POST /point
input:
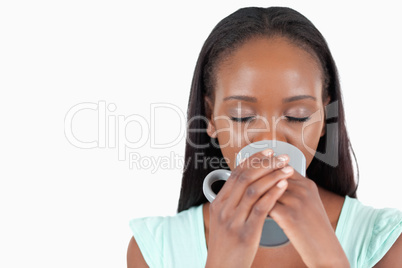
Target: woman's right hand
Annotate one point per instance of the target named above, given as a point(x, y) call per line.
point(238, 213)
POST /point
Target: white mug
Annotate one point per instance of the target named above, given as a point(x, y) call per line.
point(272, 234)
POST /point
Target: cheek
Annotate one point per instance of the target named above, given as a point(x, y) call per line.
point(229, 153)
point(309, 142)
point(230, 140)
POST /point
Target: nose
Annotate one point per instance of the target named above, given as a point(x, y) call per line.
point(268, 131)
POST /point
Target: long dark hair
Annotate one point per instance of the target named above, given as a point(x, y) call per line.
point(229, 34)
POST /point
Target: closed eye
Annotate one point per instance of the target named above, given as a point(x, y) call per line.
point(242, 119)
point(289, 118)
point(297, 119)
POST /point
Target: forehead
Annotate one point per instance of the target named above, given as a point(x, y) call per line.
point(269, 68)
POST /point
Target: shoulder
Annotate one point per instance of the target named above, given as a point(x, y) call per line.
point(145, 245)
point(393, 258)
point(367, 233)
point(385, 243)
point(159, 225)
point(161, 240)
point(134, 256)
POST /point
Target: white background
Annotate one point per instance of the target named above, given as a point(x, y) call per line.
point(64, 206)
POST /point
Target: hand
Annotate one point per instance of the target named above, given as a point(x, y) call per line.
point(238, 213)
point(300, 213)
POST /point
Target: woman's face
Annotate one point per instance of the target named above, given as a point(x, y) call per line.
point(268, 89)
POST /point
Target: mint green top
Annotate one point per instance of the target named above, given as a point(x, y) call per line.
point(365, 234)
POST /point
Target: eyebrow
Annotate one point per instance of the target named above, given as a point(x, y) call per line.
point(241, 97)
point(253, 99)
point(299, 97)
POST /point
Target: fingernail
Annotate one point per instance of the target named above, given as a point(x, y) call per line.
point(282, 184)
point(287, 169)
point(267, 152)
point(242, 160)
point(283, 158)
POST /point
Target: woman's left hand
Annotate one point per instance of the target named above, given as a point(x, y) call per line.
point(302, 216)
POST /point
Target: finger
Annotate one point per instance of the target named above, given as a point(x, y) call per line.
point(227, 189)
point(296, 182)
point(230, 195)
point(287, 197)
point(264, 205)
point(264, 159)
point(298, 190)
point(278, 212)
point(258, 189)
point(246, 175)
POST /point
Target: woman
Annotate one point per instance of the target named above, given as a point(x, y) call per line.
point(268, 74)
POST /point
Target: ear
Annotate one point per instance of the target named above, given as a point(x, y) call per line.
point(211, 130)
point(325, 116)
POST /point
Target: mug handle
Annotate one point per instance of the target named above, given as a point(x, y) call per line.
point(216, 175)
